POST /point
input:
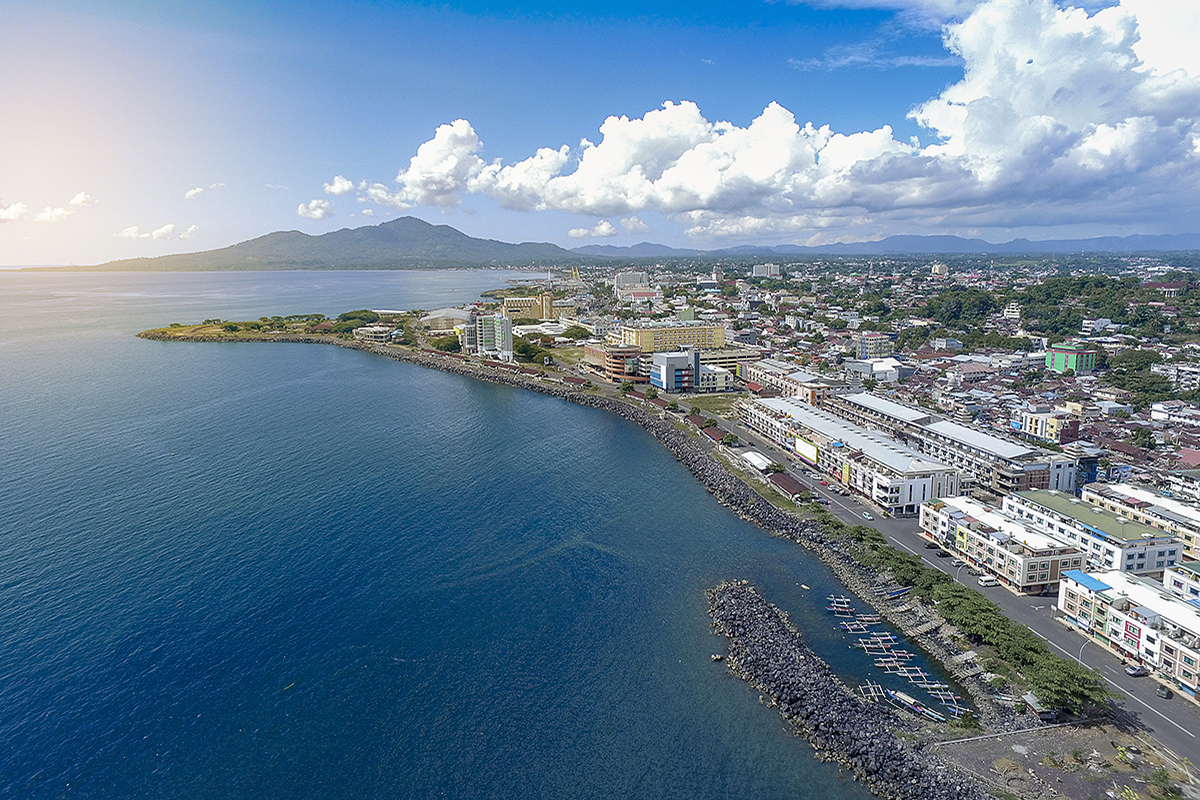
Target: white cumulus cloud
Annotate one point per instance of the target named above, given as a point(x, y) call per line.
point(339, 185)
point(1063, 116)
point(13, 211)
point(81, 199)
point(189, 232)
point(192, 194)
point(634, 225)
point(49, 214)
point(315, 209)
point(601, 228)
point(164, 232)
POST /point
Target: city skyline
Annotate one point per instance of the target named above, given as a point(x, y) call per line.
point(147, 129)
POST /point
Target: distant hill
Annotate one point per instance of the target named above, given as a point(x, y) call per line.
point(405, 243)
point(914, 245)
point(411, 243)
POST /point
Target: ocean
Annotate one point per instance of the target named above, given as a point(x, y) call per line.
point(295, 571)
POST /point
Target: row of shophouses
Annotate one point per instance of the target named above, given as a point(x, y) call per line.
point(1121, 559)
point(1121, 583)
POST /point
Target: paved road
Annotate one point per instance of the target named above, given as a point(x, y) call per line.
point(1174, 722)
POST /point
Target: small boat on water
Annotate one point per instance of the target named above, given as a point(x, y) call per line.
point(915, 705)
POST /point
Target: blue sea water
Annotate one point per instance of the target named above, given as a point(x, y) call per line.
point(295, 571)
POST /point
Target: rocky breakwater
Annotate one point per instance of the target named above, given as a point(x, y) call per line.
point(766, 651)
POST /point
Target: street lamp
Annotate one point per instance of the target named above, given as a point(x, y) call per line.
point(957, 571)
point(1079, 658)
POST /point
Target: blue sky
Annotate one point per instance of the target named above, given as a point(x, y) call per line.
point(137, 129)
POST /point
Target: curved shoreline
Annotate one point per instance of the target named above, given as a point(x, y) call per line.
point(838, 735)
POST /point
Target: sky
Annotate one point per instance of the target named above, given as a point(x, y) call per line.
point(145, 127)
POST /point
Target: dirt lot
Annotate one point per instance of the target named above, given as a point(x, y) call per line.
point(1077, 761)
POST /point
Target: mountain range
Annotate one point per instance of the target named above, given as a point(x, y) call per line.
point(404, 243)
point(914, 245)
point(411, 243)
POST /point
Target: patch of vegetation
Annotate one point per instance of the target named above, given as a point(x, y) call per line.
point(721, 404)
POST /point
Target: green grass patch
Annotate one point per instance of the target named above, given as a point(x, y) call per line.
point(721, 404)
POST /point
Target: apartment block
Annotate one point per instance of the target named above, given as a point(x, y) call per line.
point(1110, 541)
point(1166, 514)
point(792, 382)
point(1134, 617)
point(1005, 547)
point(1077, 357)
point(893, 477)
point(656, 338)
point(999, 465)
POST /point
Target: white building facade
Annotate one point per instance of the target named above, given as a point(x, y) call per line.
point(893, 477)
point(1109, 541)
point(1012, 551)
point(1135, 618)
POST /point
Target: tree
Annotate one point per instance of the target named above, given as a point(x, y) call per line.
point(626, 386)
point(447, 344)
point(651, 393)
point(709, 422)
point(1134, 360)
point(577, 332)
point(1144, 438)
point(230, 326)
point(361, 317)
point(729, 439)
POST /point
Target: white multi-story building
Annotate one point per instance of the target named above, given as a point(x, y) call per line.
point(1134, 617)
point(492, 337)
point(1184, 580)
point(1014, 552)
point(792, 382)
point(623, 279)
point(1183, 375)
point(999, 464)
point(1179, 519)
point(892, 476)
point(1110, 541)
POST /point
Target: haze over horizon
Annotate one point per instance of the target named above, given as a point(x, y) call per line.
point(144, 129)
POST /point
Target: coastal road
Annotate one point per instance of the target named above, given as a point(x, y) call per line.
point(1174, 722)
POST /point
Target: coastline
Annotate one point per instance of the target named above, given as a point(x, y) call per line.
point(837, 735)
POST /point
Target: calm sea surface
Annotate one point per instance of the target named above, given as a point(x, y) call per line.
point(294, 571)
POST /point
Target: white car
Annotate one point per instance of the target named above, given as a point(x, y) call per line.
point(988, 580)
point(867, 515)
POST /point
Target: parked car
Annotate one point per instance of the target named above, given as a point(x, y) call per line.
point(1136, 671)
point(931, 545)
point(958, 562)
point(988, 580)
point(1162, 691)
point(942, 554)
point(867, 515)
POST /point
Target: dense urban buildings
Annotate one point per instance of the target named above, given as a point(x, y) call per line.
point(893, 477)
point(1110, 541)
point(1001, 465)
point(1016, 553)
